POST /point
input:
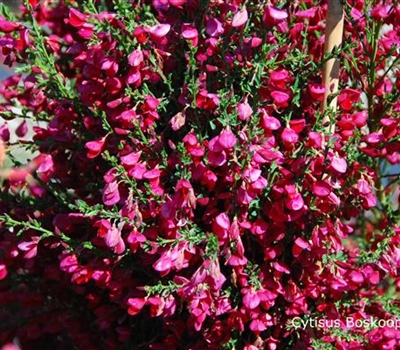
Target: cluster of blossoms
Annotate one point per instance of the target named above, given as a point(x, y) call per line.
point(183, 191)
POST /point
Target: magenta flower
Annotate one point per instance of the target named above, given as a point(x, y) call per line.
point(190, 33)
point(46, 168)
point(160, 30)
point(77, 19)
point(136, 58)
point(270, 123)
point(380, 11)
point(3, 271)
point(227, 139)
point(289, 135)
point(251, 300)
point(339, 164)
point(281, 99)
point(214, 27)
point(280, 78)
point(7, 26)
point(69, 263)
point(135, 239)
point(130, 159)
point(112, 237)
point(111, 194)
point(95, 147)
point(193, 136)
point(321, 188)
point(10, 346)
point(273, 16)
point(135, 305)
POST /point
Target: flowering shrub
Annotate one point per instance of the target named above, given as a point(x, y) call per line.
point(183, 191)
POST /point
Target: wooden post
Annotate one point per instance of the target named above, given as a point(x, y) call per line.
point(333, 37)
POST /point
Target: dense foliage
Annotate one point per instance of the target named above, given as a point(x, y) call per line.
point(183, 191)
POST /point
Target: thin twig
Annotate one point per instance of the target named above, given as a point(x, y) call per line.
point(333, 38)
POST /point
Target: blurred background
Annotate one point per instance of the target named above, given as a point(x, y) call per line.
point(11, 3)
point(16, 150)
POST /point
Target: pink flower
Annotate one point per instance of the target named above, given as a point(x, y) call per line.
point(137, 171)
point(160, 30)
point(222, 220)
point(4, 132)
point(130, 159)
point(289, 135)
point(30, 247)
point(69, 263)
point(244, 110)
point(177, 3)
point(321, 188)
point(86, 31)
point(135, 238)
point(257, 326)
point(280, 78)
point(46, 168)
point(190, 32)
point(251, 300)
point(95, 147)
point(273, 16)
point(250, 347)
point(227, 139)
point(111, 194)
point(374, 138)
point(207, 101)
point(178, 121)
point(135, 58)
point(281, 99)
point(221, 226)
point(217, 158)
point(270, 123)
point(295, 202)
point(364, 187)
point(309, 13)
point(339, 164)
point(240, 18)
point(10, 346)
point(112, 237)
point(164, 263)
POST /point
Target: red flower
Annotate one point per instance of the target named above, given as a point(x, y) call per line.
point(347, 98)
point(316, 91)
